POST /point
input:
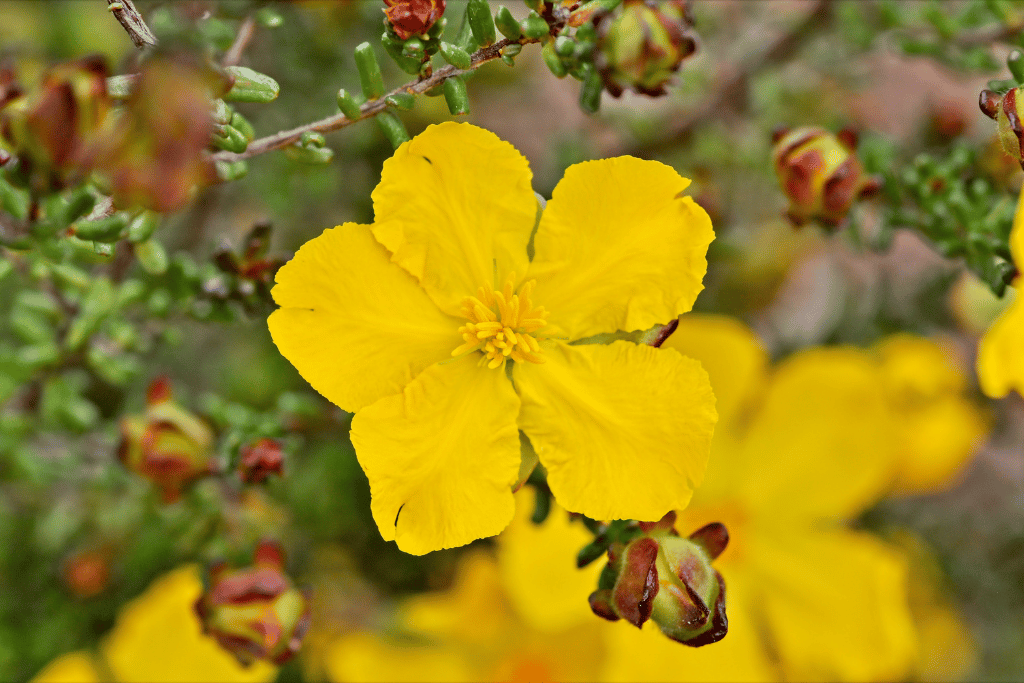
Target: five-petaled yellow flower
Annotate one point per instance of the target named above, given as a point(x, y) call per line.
point(436, 328)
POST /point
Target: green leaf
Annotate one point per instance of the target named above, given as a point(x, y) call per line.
point(251, 86)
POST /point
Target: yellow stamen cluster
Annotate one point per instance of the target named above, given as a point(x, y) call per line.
point(501, 325)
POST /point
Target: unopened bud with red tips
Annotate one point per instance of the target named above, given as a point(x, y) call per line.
point(256, 612)
point(668, 579)
point(1005, 110)
point(55, 127)
point(167, 444)
point(260, 459)
point(820, 174)
point(410, 18)
point(642, 43)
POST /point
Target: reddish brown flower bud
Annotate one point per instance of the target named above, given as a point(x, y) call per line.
point(410, 18)
point(820, 174)
point(668, 579)
point(168, 445)
point(642, 43)
point(87, 573)
point(154, 156)
point(255, 612)
point(55, 129)
point(259, 460)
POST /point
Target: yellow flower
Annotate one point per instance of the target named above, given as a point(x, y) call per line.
point(799, 450)
point(410, 323)
point(938, 428)
point(1001, 351)
point(158, 637)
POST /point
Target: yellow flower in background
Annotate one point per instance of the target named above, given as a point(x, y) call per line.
point(158, 637)
point(1001, 350)
point(410, 323)
point(938, 428)
point(799, 450)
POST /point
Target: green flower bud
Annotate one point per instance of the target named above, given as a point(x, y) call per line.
point(668, 579)
point(642, 44)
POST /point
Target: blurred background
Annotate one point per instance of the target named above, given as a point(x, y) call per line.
point(94, 561)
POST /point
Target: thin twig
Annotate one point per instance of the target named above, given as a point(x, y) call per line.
point(732, 80)
point(245, 34)
point(371, 108)
point(126, 13)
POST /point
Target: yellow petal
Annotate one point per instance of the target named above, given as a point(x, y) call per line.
point(441, 457)
point(358, 657)
point(939, 428)
point(74, 667)
point(647, 655)
point(1001, 352)
point(538, 566)
point(159, 638)
point(823, 442)
point(834, 604)
point(455, 208)
point(356, 326)
point(623, 430)
point(732, 355)
point(618, 248)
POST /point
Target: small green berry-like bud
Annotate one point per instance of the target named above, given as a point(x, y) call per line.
point(508, 26)
point(456, 56)
point(393, 128)
point(370, 78)
point(590, 93)
point(553, 61)
point(348, 105)
point(534, 26)
point(401, 100)
point(456, 96)
point(479, 15)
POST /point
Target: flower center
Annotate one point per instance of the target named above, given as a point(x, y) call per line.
point(502, 325)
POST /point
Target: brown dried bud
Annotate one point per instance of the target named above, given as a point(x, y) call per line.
point(255, 612)
point(820, 174)
point(668, 579)
point(55, 129)
point(410, 18)
point(168, 445)
point(259, 460)
point(642, 43)
point(1006, 112)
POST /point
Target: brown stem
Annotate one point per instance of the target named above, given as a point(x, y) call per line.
point(245, 34)
point(371, 108)
point(732, 80)
point(126, 13)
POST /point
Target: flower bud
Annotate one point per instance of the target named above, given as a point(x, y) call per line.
point(168, 445)
point(1006, 113)
point(259, 460)
point(669, 579)
point(54, 129)
point(255, 612)
point(820, 174)
point(642, 43)
point(410, 18)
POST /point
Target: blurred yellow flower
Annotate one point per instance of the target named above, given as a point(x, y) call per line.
point(158, 637)
point(372, 316)
point(1001, 351)
point(938, 427)
point(799, 450)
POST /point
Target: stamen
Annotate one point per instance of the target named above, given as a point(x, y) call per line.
point(502, 325)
